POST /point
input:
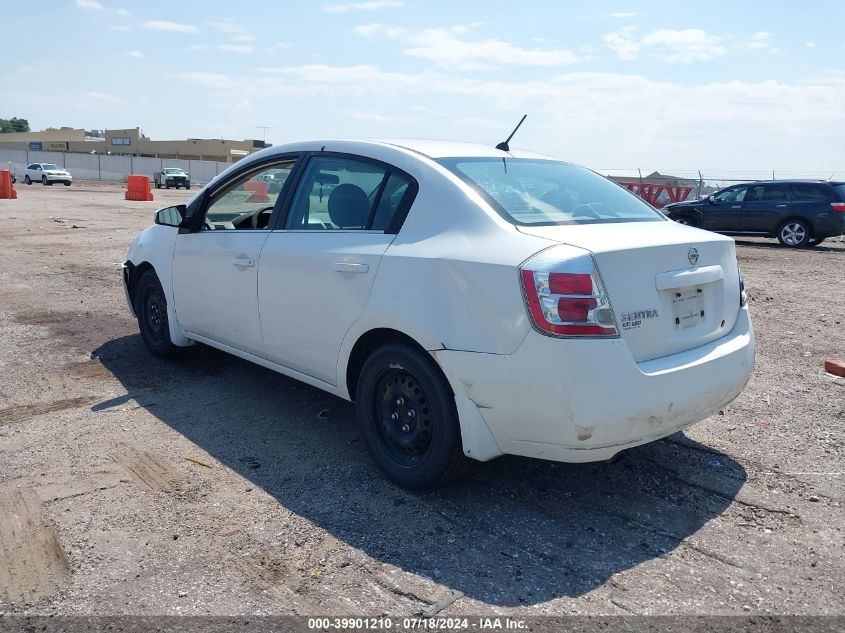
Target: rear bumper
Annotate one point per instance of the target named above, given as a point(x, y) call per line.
point(831, 226)
point(585, 400)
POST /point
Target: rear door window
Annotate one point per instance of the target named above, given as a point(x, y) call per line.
point(773, 193)
point(339, 193)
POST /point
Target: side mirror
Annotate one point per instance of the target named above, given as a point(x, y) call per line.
point(171, 216)
point(711, 199)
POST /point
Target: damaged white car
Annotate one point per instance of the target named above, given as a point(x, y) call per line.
point(472, 301)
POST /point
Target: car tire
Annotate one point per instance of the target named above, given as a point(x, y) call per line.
point(67, 183)
point(151, 309)
point(158, 185)
point(795, 234)
point(166, 186)
point(27, 180)
point(44, 181)
point(408, 419)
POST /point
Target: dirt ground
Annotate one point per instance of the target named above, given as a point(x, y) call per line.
point(101, 511)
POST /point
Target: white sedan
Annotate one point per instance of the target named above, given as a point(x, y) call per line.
point(472, 301)
point(46, 174)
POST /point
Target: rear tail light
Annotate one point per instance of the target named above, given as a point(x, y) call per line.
point(565, 294)
point(838, 206)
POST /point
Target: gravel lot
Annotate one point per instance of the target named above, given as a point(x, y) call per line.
point(743, 513)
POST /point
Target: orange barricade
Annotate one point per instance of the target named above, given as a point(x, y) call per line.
point(258, 189)
point(7, 190)
point(138, 188)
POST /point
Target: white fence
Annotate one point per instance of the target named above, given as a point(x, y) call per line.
point(107, 167)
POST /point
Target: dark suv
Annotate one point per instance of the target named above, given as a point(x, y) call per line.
point(798, 212)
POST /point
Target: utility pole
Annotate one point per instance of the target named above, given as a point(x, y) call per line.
point(264, 128)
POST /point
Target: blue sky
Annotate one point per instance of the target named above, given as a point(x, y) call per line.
point(718, 86)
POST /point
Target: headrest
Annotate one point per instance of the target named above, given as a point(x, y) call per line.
point(349, 207)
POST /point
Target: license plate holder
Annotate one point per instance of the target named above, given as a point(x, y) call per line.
point(688, 307)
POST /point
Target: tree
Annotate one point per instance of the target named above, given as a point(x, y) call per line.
point(14, 124)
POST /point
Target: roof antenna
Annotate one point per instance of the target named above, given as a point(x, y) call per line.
point(504, 145)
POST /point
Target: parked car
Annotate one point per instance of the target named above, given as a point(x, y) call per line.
point(172, 177)
point(472, 301)
point(799, 213)
point(46, 174)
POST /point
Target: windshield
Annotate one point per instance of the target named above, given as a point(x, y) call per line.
point(46, 166)
point(544, 192)
point(173, 171)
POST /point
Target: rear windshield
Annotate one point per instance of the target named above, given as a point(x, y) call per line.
point(544, 192)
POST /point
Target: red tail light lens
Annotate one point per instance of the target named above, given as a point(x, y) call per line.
point(565, 294)
point(574, 310)
point(570, 284)
point(838, 206)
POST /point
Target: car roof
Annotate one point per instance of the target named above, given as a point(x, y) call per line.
point(428, 148)
point(433, 148)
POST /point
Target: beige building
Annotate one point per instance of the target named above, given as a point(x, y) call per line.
point(129, 142)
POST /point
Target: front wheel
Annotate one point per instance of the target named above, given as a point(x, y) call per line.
point(151, 308)
point(794, 234)
point(67, 183)
point(408, 419)
point(44, 180)
point(27, 180)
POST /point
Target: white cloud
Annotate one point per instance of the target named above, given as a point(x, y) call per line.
point(93, 5)
point(624, 43)
point(446, 49)
point(237, 48)
point(374, 5)
point(236, 32)
point(761, 41)
point(176, 27)
point(135, 54)
point(622, 15)
point(669, 45)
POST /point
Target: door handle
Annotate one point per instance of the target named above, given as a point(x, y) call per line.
point(781, 205)
point(246, 262)
point(350, 267)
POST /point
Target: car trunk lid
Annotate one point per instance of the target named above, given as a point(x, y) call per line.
point(672, 287)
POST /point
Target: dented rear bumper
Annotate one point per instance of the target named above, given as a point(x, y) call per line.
point(586, 400)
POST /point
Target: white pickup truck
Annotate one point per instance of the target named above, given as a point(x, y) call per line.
point(172, 177)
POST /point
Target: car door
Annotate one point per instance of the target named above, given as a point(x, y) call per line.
point(317, 269)
point(723, 212)
point(215, 266)
point(764, 207)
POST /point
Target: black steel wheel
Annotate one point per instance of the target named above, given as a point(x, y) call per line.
point(408, 418)
point(151, 310)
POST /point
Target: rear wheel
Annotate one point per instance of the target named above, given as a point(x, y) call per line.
point(794, 234)
point(408, 418)
point(151, 308)
point(67, 183)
